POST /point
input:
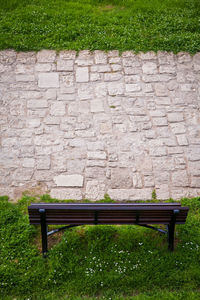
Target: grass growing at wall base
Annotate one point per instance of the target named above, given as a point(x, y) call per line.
point(171, 25)
point(90, 262)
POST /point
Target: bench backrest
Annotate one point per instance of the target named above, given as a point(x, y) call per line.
point(112, 213)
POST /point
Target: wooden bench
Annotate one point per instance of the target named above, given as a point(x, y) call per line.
point(76, 214)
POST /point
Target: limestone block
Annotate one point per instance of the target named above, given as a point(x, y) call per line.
point(58, 109)
point(160, 121)
point(112, 76)
point(82, 74)
point(149, 68)
point(133, 88)
point(65, 65)
point(33, 123)
point(48, 80)
point(149, 181)
point(96, 155)
point(97, 105)
point(100, 90)
point(163, 192)
point(175, 117)
point(45, 56)
point(148, 55)
point(116, 67)
point(68, 81)
point(85, 58)
point(114, 60)
point(7, 57)
point(69, 180)
point(167, 69)
point(119, 194)
point(114, 89)
point(94, 190)
point(161, 89)
point(26, 57)
point(180, 178)
point(196, 62)
point(95, 76)
point(95, 172)
point(52, 120)
point(67, 54)
point(121, 178)
point(177, 128)
point(101, 68)
point(84, 107)
point(100, 57)
point(24, 69)
point(193, 154)
point(93, 146)
point(28, 163)
point(46, 67)
point(132, 78)
point(182, 140)
point(43, 163)
point(187, 87)
point(76, 164)
point(25, 78)
point(66, 194)
point(137, 180)
point(85, 92)
point(194, 168)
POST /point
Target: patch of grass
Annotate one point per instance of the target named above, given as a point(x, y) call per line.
point(171, 25)
point(90, 262)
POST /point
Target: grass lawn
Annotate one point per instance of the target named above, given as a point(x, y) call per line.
point(97, 262)
point(139, 25)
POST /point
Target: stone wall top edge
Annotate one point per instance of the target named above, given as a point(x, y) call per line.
point(111, 53)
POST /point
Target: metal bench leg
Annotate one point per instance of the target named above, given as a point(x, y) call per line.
point(44, 230)
point(171, 229)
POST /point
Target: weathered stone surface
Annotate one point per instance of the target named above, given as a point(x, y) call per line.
point(97, 105)
point(61, 194)
point(96, 155)
point(82, 74)
point(43, 163)
point(58, 109)
point(180, 178)
point(46, 56)
point(48, 80)
point(94, 190)
point(123, 124)
point(69, 180)
point(121, 178)
point(149, 68)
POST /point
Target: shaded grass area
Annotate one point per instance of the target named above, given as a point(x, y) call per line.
point(97, 262)
point(171, 25)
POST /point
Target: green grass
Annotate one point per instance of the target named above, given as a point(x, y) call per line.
point(97, 262)
point(139, 25)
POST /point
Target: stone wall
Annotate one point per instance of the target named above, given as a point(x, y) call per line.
point(79, 125)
